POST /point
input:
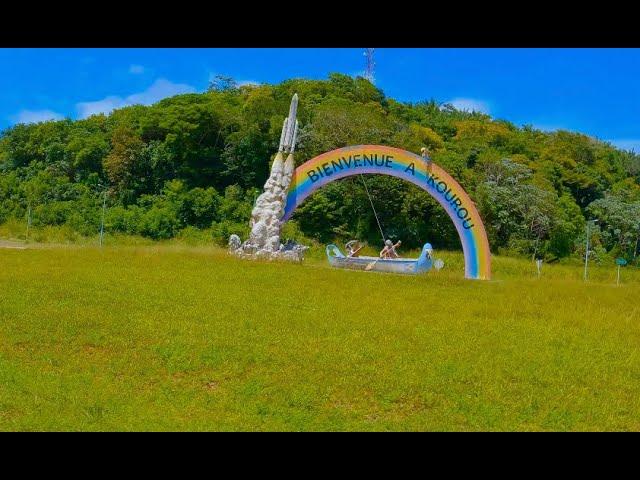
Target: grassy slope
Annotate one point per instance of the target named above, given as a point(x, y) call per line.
point(166, 338)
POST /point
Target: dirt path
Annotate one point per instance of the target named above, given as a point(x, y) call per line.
point(12, 244)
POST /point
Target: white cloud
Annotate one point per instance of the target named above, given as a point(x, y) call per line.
point(242, 83)
point(469, 104)
point(136, 69)
point(160, 89)
point(548, 128)
point(86, 109)
point(35, 116)
point(627, 144)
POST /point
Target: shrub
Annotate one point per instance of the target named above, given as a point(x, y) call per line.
point(159, 223)
point(221, 231)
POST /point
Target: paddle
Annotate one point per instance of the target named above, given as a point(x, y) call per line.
point(371, 265)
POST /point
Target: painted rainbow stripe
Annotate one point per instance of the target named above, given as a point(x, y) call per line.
point(378, 159)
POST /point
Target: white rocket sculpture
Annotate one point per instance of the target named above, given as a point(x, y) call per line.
point(269, 207)
point(290, 126)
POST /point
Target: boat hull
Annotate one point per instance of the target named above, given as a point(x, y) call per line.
point(398, 265)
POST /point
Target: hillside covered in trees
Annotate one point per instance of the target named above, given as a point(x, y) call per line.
point(194, 164)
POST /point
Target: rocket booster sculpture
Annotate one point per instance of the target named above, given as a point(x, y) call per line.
point(269, 207)
point(290, 128)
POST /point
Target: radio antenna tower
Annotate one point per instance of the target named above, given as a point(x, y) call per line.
point(371, 65)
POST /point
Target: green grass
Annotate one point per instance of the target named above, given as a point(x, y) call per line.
point(178, 338)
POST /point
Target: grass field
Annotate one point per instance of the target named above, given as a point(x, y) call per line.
point(177, 338)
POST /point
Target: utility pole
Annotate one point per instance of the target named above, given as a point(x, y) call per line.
point(586, 254)
point(371, 65)
point(28, 220)
point(104, 206)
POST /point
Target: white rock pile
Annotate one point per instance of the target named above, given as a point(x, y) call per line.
point(264, 239)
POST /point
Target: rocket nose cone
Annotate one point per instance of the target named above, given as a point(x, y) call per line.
point(294, 103)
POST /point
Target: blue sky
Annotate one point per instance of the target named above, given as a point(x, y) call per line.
point(594, 91)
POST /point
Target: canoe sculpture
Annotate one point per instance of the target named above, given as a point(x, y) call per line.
point(396, 265)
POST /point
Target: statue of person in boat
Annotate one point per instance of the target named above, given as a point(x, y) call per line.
point(387, 261)
point(353, 248)
point(389, 250)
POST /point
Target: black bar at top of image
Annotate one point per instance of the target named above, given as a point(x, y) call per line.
point(321, 24)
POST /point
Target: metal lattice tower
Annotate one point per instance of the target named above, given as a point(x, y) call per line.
point(371, 65)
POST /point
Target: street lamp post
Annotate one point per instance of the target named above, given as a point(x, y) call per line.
point(586, 254)
point(104, 206)
point(28, 221)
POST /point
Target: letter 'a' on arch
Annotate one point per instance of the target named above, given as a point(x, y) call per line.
point(344, 162)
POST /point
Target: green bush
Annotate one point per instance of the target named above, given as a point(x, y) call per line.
point(159, 223)
point(221, 231)
point(123, 219)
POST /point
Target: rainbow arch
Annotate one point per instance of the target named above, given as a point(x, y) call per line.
point(347, 161)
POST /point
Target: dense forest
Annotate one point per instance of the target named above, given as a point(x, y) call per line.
point(194, 164)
